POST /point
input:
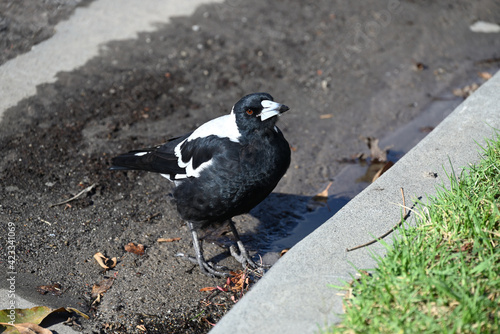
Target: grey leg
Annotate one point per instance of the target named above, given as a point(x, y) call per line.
point(241, 255)
point(206, 268)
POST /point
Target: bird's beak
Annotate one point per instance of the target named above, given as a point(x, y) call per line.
point(271, 109)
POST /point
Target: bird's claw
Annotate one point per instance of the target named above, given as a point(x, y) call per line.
point(208, 268)
point(241, 255)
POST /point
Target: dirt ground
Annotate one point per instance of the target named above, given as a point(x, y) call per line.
point(345, 69)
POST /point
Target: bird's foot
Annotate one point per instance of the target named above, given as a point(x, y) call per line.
point(241, 255)
point(208, 268)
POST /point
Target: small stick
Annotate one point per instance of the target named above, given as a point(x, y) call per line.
point(151, 217)
point(386, 233)
point(86, 190)
point(46, 222)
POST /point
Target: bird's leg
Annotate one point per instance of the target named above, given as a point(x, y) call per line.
point(241, 256)
point(206, 268)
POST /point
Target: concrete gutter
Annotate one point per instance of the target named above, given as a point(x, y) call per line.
point(294, 296)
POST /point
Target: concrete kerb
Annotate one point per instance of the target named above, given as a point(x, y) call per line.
point(294, 296)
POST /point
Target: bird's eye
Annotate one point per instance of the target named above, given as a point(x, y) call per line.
point(249, 111)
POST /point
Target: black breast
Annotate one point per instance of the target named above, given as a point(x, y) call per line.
point(240, 176)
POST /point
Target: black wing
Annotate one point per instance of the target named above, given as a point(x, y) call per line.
point(160, 159)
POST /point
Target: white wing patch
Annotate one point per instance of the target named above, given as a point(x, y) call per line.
point(223, 127)
point(196, 172)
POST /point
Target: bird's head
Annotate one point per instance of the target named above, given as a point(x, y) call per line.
point(257, 111)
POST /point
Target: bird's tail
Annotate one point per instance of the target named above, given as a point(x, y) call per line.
point(133, 160)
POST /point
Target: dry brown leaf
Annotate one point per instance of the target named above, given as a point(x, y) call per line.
point(485, 75)
point(133, 248)
point(319, 200)
point(467, 246)
point(426, 129)
point(325, 116)
point(105, 262)
point(238, 282)
point(168, 239)
point(99, 289)
point(466, 91)
point(212, 288)
point(54, 289)
point(30, 318)
point(420, 66)
point(382, 170)
point(324, 193)
point(376, 153)
point(24, 328)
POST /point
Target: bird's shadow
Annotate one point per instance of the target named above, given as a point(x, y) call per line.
point(282, 220)
point(285, 219)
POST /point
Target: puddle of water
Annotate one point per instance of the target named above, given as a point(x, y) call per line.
point(355, 178)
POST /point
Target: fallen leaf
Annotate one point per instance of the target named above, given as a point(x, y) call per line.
point(382, 170)
point(99, 289)
point(30, 318)
point(142, 328)
point(426, 129)
point(466, 91)
point(324, 193)
point(325, 116)
point(168, 239)
point(376, 153)
point(54, 289)
point(212, 288)
point(319, 200)
point(420, 66)
point(370, 172)
point(238, 282)
point(24, 328)
point(104, 262)
point(485, 75)
point(467, 246)
point(133, 248)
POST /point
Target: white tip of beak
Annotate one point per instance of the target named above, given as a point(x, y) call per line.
point(271, 109)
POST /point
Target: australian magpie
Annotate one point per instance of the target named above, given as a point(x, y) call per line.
point(222, 169)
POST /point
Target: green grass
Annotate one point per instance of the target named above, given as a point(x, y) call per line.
point(443, 275)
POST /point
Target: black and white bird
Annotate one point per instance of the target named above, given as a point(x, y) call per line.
point(222, 169)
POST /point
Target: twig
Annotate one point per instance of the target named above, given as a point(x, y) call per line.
point(46, 222)
point(388, 232)
point(151, 217)
point(86, 190)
